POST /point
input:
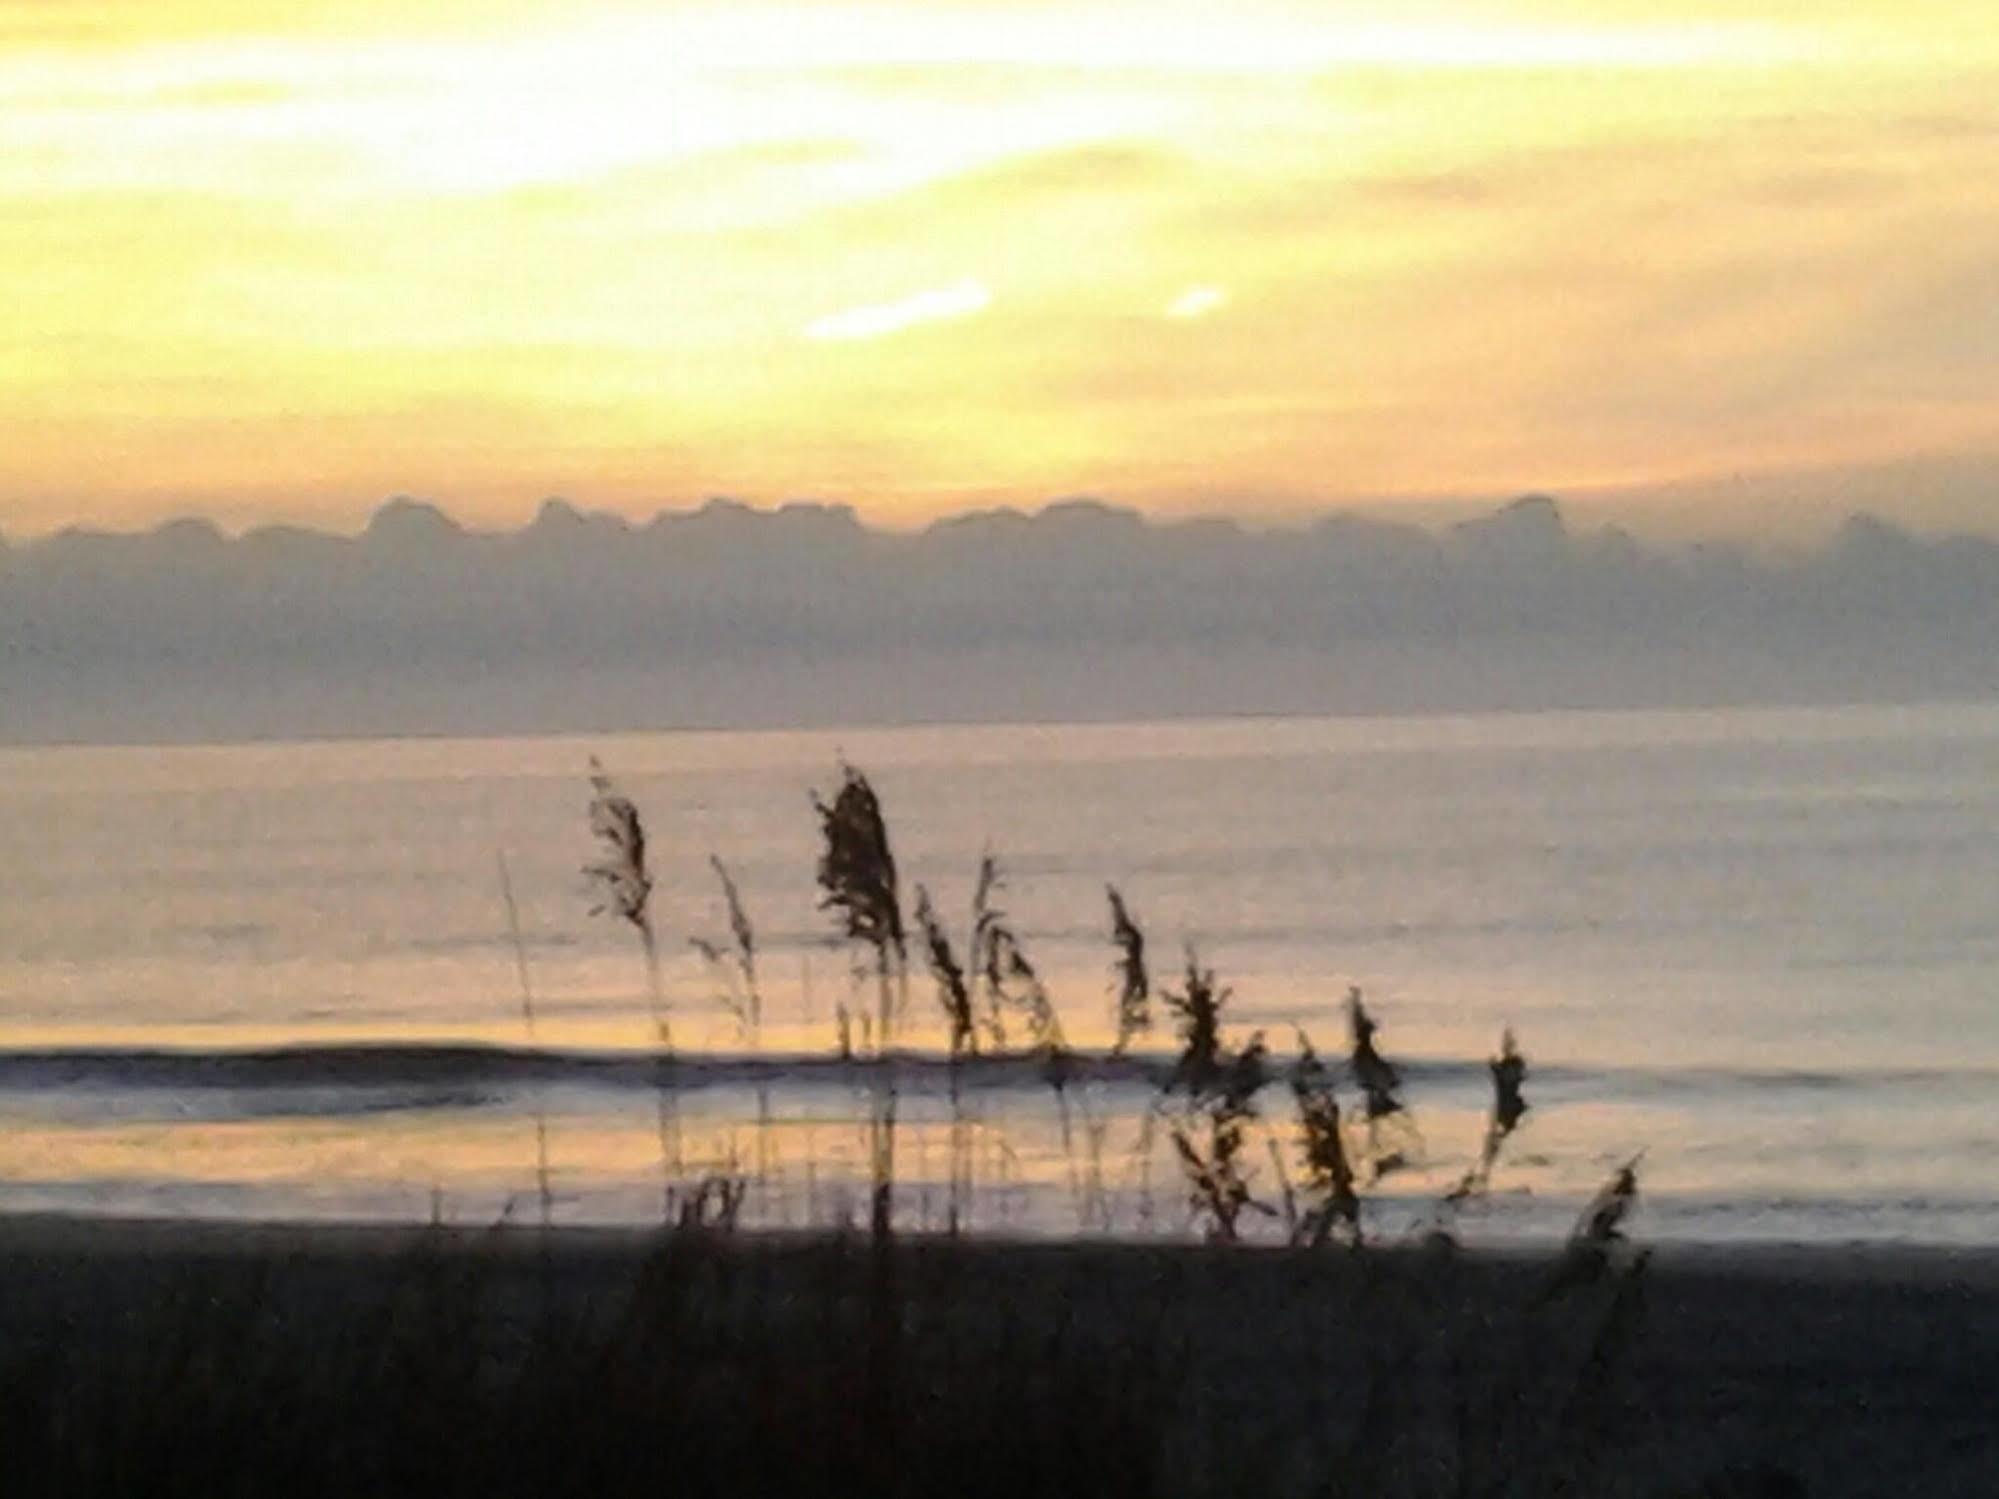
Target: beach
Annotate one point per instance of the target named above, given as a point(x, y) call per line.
point(1186, 1369)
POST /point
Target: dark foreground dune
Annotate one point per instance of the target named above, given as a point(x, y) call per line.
point(140, 1359)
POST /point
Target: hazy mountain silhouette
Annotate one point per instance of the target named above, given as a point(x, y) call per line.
point(733, 614)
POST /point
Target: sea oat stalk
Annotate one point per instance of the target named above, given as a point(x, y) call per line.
point(543, 1185)
point(857, 882)
point(954, 998)
point(1014, 986)
point(1391, 1139)
point(1134, 982)
point(625, 886)
point(742, 996)
point(1509, 1107)
point(1331, 1201)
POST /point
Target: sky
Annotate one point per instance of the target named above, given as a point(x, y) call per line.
point(1255, 259)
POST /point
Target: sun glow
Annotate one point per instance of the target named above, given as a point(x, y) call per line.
point(487, 251)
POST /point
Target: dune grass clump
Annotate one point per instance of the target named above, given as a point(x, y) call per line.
point(1219, 1085)
point(1330, 1201)
point(1197, 1006)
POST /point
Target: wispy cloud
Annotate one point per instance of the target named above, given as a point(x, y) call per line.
point(1198, 301)
point(939, 304)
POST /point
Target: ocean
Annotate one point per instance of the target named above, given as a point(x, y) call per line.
point(1758, 950)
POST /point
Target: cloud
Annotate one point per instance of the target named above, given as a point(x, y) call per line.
point(939, 304)
point(1198, 301)
point(729, 614)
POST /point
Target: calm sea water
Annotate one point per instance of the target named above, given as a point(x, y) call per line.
point(1762, 947)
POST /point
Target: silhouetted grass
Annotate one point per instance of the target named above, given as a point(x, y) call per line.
point(1134, 982)
point(1219, 1085)
point(623, 879)
point(625, 885)
point(859, 885)
point(544, 1185)
point(1598, 1240)
point(988, 923)
point(1330, 1202)
point(1509, 1107)
point(1392, 1142)
point(954, 995)
point(734, 965)
point(741, 994)
point(719, 1362)
point(954, 998)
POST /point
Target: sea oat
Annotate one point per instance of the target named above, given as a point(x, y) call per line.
point(1134, 983)
point(626, 886)
point(954, 995)
point(543, 1182)
point(1211, 1140)
point(624, 882)
point(1392, 1142)
point(745, 938)
point(1598, 1234)
point(1509, 1107)
point(857, 882)
point(1013, 985)
point(1328, 1174)
point(955, 999)
point(857, 877)
point(1198, 1007)
point(1220, 1086)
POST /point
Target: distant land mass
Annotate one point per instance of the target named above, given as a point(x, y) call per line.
point(729, 615)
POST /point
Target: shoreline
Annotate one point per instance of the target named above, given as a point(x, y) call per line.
point(55, 1231)
point(135, 1233)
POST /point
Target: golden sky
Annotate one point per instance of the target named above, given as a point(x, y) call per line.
point(1259, 257)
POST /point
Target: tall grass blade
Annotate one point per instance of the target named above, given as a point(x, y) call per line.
point(858, 884)
point(625, 884)
point(543, 1184)
point(1134, 1013)
point(954, 997)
